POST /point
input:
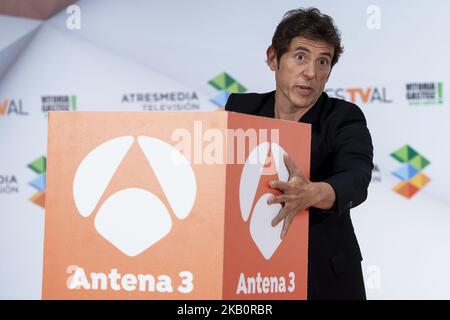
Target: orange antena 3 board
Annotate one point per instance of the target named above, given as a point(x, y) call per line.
point(165, 205)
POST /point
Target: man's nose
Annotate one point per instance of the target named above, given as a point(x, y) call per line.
point(310, 70)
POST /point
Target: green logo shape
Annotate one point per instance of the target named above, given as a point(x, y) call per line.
point(73, 102)
point(440, 94)
point(237, 88)
point(419, 162)
point(226, 82)
point(39, 165)
point(404, 154)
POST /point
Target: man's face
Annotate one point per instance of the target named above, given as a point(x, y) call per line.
point(302, 72)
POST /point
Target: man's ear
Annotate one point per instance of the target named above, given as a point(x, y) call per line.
point(271, 58)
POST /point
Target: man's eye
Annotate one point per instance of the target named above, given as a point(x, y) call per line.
point(323, 62)
point(300, 57)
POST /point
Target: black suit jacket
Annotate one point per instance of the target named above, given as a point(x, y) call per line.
point(341, 154)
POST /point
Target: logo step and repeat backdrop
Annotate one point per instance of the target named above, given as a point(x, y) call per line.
point(182, 56)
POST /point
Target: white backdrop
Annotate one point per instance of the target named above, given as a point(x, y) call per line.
point(168, 51)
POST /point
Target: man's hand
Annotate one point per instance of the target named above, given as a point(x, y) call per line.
point(298, 194)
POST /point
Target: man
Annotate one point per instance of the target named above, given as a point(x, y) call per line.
point(305, 46)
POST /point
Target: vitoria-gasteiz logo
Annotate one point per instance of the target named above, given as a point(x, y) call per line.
point(227, 85)
point(410, 172)
point(425, 93)
point(58, 103)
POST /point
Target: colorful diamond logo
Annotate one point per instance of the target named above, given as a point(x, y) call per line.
point(40, 167)
point(410, 172)
point(227, 85)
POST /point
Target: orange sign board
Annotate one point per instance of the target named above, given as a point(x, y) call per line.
point(167, 205)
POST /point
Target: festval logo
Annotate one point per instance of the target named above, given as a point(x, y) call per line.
point(227, 85)
point(8, 107)
point(364, 95)
point(134, 210)
point(254, 204)
point(39, 166)
point(410, 172)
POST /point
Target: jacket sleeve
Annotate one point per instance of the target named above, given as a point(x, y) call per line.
point(352, 165)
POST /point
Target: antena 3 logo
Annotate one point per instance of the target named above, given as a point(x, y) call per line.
point(266, 237)
point(134, 219)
